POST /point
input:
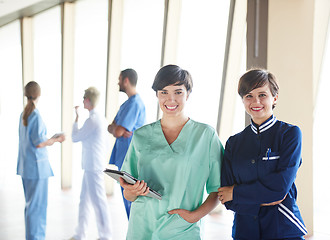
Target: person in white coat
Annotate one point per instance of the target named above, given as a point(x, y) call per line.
point(93, 136)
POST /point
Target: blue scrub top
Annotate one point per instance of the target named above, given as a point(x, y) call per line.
point(32, 162)
point(131, 116)
point(263, 162)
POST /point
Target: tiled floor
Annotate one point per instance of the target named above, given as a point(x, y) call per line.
point(63, 212)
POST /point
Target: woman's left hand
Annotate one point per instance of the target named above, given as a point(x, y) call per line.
point(225, 194)
point(273, 203)
point(60, 138)
point(185, 214)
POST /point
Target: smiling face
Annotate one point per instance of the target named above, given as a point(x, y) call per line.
point(259, 103)
point(172, 99)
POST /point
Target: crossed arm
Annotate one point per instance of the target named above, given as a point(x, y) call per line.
point(225, 194)
point(118, 131)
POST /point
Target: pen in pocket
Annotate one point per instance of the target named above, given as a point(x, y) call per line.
point(267, 153)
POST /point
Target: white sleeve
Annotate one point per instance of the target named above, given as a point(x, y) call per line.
point(84, 132)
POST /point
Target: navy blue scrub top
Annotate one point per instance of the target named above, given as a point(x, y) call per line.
point(263, 162)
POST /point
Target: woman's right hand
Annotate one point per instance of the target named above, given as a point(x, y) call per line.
point(131, 192)
point(76, 110)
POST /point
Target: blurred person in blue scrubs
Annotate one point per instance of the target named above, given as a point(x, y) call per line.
point(93, 135)
point(33, 163)
point(130, 117)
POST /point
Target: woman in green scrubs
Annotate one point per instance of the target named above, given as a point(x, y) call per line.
point(177, 157)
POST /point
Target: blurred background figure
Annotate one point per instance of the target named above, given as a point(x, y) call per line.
point(93, 136)
point(33, 164)
point(130, 117)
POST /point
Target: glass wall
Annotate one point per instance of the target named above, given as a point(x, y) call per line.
point(201, 46)
point(47, 72)
point(239, 116)
point(90, 59)
point(90, 64)
point(11, 103)
point(202, 41)
point(141, 47)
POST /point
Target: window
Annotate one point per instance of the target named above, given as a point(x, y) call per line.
point(11, 101)
point(90, 50)
point(202, 42)
point(141, 47)
point(90, 64)
point(47, 72)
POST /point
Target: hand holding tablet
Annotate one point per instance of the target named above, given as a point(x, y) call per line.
point(131, 180)
point(58, 135)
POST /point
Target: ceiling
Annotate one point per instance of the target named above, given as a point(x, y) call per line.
point(11, 10)
point(10, 6)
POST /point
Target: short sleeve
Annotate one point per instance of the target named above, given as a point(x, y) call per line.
point(128, 116)
point(130, 161)
point(37, 129)
point(215, 162)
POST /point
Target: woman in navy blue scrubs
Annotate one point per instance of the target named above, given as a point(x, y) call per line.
point(33, 164)
point(260, 166)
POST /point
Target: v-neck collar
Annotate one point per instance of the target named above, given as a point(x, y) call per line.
point(264, 126)
point(178, 146)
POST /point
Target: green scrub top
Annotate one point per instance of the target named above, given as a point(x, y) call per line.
point(179, 172)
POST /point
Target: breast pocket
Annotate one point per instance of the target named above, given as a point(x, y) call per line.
point(272, 156)
point(269, 163)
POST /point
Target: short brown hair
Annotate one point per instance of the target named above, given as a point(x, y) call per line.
point(256, 78)
point(172, 75)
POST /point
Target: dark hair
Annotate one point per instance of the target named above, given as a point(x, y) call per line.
point(172, 75)
point(256, 78)
point(32, 91)
point(131, 74)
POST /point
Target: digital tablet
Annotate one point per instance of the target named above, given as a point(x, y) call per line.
point(131, 180)
point(57, 135)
